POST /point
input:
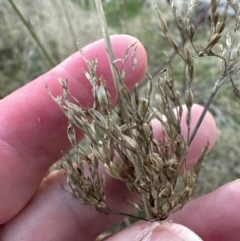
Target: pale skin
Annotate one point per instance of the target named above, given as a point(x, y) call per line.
point(32, 136)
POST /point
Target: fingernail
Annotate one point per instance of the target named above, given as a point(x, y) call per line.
point(166, 231)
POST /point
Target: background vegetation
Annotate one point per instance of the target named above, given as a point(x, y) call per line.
point(58, 24)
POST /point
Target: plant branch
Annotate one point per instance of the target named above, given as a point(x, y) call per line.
point(108, 46)
point(173, 53)
point(118, 85)
point(206, 107)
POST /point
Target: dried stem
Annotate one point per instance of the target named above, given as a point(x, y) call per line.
point(118, 85)
point(108, 46)
point(206, 107)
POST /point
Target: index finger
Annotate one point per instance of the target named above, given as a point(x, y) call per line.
point(33, 128)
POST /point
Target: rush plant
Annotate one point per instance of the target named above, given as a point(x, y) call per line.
point(121, 138)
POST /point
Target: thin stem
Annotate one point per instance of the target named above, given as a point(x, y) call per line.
point(128, 215)
point(34, 36)
point(108, 46)
point(118, 83)
point(206, 107)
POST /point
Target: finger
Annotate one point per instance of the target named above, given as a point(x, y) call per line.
point(206, 132)
point(214, 216)
point(33, 128)
point(155, 231)
point(77, 218)
point(53, 214)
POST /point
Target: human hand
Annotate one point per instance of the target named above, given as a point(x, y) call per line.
point(32, 136)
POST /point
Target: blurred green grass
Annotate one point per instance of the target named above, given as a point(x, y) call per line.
point(21, 61)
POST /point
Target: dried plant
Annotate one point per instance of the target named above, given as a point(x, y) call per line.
point(121, 138)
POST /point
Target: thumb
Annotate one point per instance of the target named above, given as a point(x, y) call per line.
point(151, 231)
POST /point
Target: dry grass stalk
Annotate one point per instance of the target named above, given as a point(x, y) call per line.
point(121, 138)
